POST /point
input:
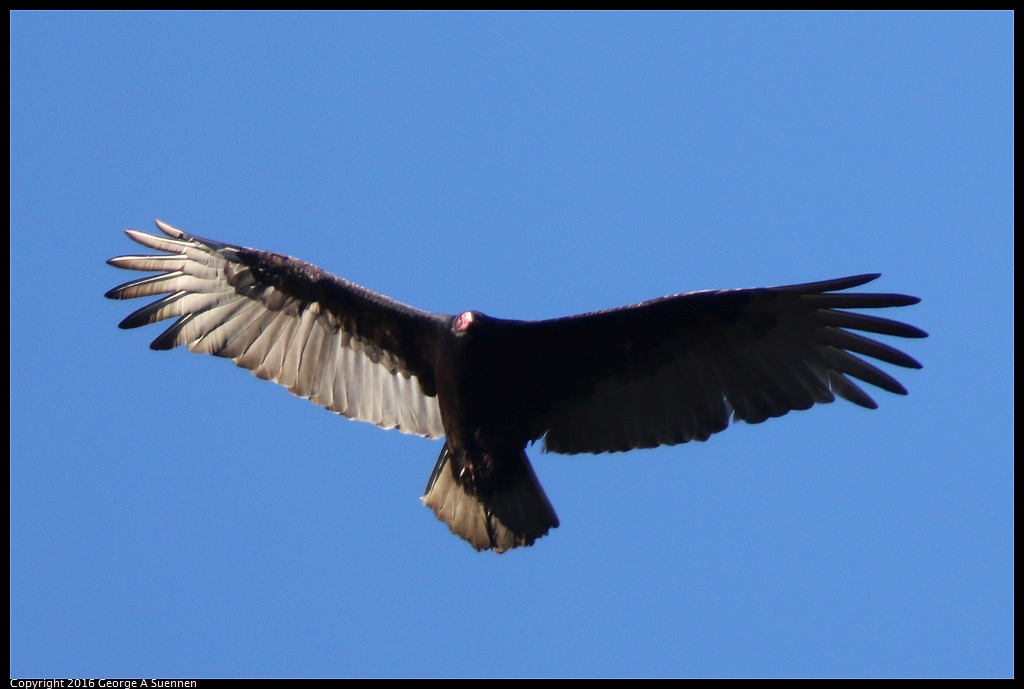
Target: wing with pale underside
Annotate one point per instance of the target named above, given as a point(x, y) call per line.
point(341, 346)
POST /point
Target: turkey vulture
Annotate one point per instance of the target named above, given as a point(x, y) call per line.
point(663, 372)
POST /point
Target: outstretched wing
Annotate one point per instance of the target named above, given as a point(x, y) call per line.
point(679, 368)
point(341, 346)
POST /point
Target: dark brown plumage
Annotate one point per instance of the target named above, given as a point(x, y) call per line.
point(662, 372)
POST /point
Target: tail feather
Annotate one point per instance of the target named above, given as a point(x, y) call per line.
point(512, 514)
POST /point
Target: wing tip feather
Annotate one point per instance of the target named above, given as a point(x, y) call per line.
point(170, 230)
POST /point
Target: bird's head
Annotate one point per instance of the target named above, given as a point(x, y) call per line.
point(464, 321)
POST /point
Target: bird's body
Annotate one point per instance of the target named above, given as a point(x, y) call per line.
point(663, 372)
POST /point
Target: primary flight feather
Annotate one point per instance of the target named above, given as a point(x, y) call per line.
point(663, 372)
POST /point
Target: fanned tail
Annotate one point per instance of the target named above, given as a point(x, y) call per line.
point(514, 513)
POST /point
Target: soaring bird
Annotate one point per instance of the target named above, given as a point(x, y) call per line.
point(662, 372)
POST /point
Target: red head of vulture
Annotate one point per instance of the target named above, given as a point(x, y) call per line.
point(663, 372)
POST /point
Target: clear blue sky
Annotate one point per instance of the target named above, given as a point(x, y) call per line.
point(173, 515)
